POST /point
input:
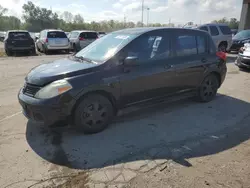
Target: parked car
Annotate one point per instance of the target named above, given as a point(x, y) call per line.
point(221, 35)
point(240, 39)
point(2, 35)
point(119, 70)
point(51, 40)
point(243, 59)
point(80, 39)
point(18, 41)
point(101, 34)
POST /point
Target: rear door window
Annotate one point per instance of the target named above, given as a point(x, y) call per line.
point(186, 45)
point(89, 35)
point(214, 31)
point(19, 35)
point(56, 34)
point(204, 28)
point(225, 30)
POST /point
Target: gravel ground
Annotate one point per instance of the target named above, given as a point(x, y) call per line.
point(201, 145)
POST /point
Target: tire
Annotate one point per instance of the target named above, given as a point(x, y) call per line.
point(208, 88)
point(93, 114)
point(222, 47)
point(9, 53)
point(45, 50)
point(67, 51)
point(33, 51)
point(74, 48)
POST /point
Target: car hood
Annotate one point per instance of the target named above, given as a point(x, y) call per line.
point(240, 39)
point(59, 69)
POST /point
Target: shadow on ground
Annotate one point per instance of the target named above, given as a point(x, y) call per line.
point(177, 131)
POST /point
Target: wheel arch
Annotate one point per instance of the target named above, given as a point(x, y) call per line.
point(104, 93)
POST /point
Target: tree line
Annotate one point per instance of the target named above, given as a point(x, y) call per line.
point(36, 18)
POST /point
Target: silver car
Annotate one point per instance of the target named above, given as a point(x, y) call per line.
point(50, 40)
point(221, 35)
point(80, 39)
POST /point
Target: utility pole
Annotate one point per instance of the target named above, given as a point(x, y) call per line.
point(142, 9)
point(148, 16)
point(124, 21)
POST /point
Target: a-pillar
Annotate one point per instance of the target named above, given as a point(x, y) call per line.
point(245, 15)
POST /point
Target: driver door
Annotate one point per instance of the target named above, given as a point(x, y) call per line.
point(152, 76)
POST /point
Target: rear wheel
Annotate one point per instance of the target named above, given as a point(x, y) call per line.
point(74, 47)
point(222, 47)
point(9, 52)
point(208, 88)
point(93, 114)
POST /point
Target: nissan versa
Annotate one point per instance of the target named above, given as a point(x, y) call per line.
point(123, 68)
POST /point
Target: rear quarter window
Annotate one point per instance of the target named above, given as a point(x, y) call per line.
point(225, 30)
point(204, 28)
point(89, 35)
point(56, 34)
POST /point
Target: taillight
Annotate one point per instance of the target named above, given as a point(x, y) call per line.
point(46, 40)
point(81, 38)
point(222, 55)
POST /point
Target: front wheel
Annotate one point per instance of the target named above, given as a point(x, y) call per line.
point(93, 114)
point(208, 88)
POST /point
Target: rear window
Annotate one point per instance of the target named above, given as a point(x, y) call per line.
point(214, 30)
point(19, 35)
point(225, 30)
point(89, 35)
point(56, 34)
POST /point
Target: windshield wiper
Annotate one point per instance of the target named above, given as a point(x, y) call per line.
point(85, 59)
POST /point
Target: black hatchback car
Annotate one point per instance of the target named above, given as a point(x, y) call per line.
point(18, 41)
point(123, 68)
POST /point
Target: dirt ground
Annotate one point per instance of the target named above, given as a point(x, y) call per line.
point(171, 145)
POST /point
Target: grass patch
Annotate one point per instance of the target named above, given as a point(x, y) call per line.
point(2, 54)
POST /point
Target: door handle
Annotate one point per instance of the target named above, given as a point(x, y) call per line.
point(203, 60)
point(168, 66)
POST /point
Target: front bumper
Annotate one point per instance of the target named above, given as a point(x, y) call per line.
point(243, 61)
point(236, 47)
point(46, 111)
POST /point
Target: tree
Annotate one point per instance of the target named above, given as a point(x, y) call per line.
point(78, 19)
point(233, 23)
point(2, 10)
point(67, 16)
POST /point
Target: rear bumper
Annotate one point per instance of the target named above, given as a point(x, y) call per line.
point(29, 48)
point(48, 47)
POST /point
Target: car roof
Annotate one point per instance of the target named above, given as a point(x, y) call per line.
point(141, 30)
point(51, 30)
point(213, 24)
point(17, 31)
point(83, 31)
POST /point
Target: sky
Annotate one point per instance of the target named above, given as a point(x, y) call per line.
point(160, 11)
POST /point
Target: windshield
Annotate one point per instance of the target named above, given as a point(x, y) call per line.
point(242, 35)
point(106, 47)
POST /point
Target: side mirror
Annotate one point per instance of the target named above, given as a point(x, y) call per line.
point(131, 61)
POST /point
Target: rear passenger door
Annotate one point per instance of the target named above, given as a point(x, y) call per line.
point(190, 49)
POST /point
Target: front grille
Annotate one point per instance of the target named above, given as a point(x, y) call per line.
point(30, 89)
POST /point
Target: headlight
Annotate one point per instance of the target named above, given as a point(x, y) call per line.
point(53, 89)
